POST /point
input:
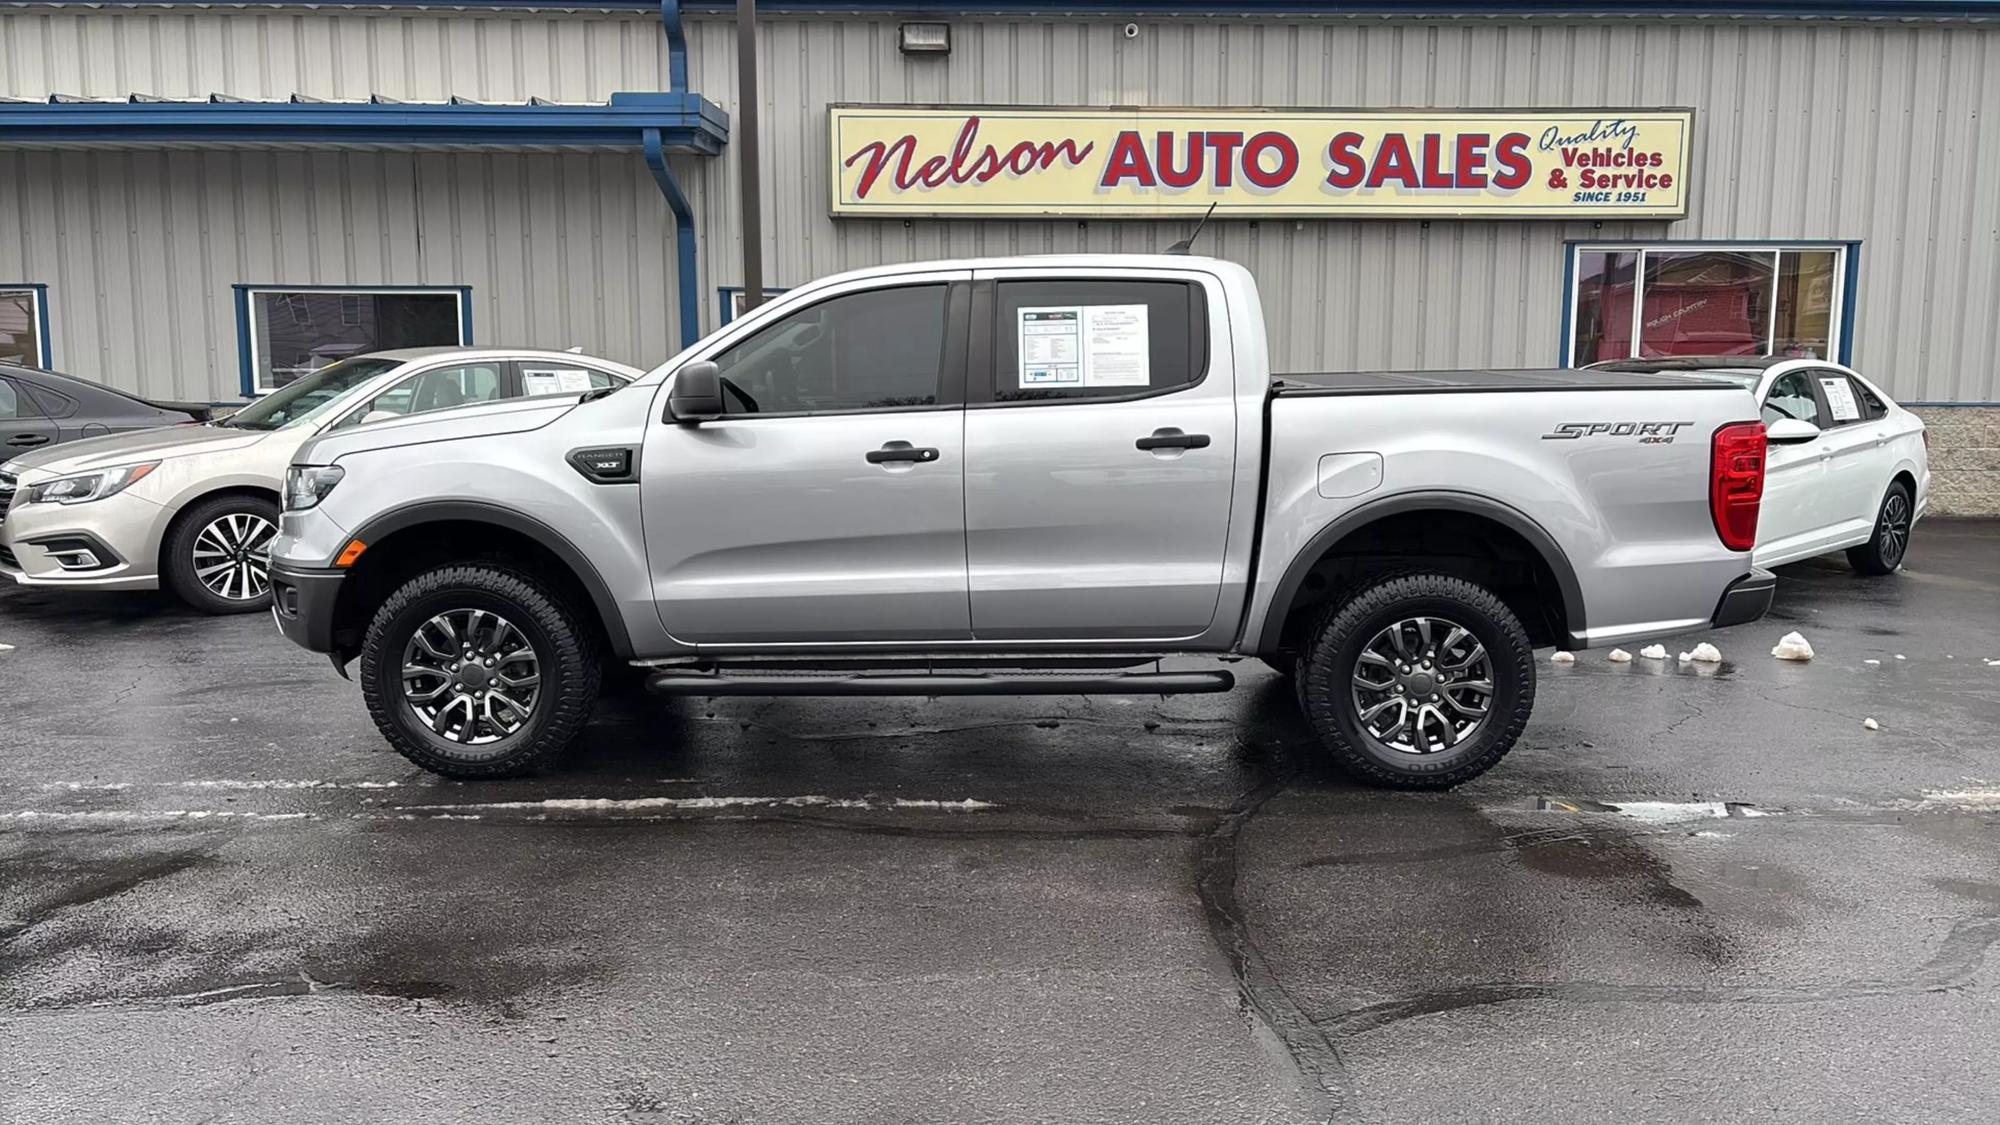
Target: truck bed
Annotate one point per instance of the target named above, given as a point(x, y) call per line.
point(1479, 382)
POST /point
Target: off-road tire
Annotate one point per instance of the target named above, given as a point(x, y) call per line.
point(569, 668)
point(1346, 626)
point(177, 566)
point(1884, 552)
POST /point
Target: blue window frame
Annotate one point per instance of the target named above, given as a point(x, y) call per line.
point(24, 325)
point(285, 331)
point(1626, 299)
point(729, 302)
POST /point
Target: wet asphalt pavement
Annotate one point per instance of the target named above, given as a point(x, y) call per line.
point(222, 899)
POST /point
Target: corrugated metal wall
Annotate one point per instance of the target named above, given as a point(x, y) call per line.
point(140, 250)
point(1886, 133)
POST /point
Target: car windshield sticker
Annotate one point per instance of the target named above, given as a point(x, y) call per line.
point(1083, 346)
point(1840, 397)
point(554, 381)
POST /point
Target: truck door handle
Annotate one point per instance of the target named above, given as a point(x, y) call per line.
point(1169, 437)
point(28, 439)
point(901, 451)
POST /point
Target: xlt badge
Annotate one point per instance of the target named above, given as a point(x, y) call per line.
point(1648, 433)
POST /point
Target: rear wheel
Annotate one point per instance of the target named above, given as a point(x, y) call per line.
point(1883, 553)
point(218, 555)
point(477, 671)
point(1418, 682)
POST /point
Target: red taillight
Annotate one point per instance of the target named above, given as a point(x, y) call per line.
point(1736, 483)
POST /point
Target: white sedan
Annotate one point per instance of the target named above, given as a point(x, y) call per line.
point(195, 508)
point(1847, 468)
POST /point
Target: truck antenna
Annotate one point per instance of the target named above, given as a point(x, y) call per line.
point(1186, 245)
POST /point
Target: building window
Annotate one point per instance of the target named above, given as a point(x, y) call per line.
point(287, 333)
point(1669, 299)
point(24, 325)
point(729, 301)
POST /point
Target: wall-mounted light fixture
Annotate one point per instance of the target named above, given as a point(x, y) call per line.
point(926, 39)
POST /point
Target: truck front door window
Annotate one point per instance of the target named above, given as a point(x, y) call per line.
point(874, 350)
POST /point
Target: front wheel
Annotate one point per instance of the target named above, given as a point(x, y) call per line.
point(217, 558)
point(1420, 681)
point(477, 671)
point(1883, 553)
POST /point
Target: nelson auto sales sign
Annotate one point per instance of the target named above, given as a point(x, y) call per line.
point(1143, 163)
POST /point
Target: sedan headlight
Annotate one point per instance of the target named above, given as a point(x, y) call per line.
point(85, 487)
point(307, 485)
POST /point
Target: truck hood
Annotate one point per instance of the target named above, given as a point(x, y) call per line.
point(139, 445)
point(474, 421)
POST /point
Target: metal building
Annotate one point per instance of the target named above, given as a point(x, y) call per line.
point(199, 200)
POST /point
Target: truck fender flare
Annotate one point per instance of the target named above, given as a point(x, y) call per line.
point(1352, 521)
point(473, 511)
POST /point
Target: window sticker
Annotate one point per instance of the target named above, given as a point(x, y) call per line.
point(1114, 353)
point(1052, 346)
point(1840, 398)
point(554, 381)
point(1084, 346)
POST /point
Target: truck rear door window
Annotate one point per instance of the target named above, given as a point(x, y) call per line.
point(1095, 340)
point(875, 350)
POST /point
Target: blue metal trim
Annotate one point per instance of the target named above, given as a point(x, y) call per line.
point(677, 45)
point(45, 351)
point(246, 372)
point(1850, 303)
point(687, 284)
point(686, 123)
point(1564, 356)
point(1858, 9)
point(247, 378)
point(1850, 268)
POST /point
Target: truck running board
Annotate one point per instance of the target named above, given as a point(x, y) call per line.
point(905, 683)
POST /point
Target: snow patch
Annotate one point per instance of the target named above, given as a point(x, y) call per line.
point(225, 784)
point(646, 804)
point(1618, 656)
point(1982, 798)
point(1654, 652)
point(6, 648)
point(1792, 646)
point(1871, 662)
point(1563, 658)
point(154, 814)
point(1870, 724)
point(1705, 653)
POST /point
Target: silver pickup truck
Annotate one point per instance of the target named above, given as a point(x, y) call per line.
point(1020, 476)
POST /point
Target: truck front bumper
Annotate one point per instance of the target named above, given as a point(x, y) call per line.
point(1746, 599)
point(302, 603)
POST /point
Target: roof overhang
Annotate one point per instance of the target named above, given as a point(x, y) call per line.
point(687, 123)
point(1056, 9)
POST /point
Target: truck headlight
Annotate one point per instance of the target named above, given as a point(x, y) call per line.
point(82, 488)
point(307, 485)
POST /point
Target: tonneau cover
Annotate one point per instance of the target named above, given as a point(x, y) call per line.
point(1475, 382)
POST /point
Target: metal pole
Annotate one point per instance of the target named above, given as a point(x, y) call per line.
point(746, 153)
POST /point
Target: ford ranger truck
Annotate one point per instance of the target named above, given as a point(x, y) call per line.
point(1020, 476)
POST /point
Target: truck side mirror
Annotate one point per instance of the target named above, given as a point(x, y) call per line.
point(697, 394)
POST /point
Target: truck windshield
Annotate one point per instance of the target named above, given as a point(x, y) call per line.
point(293, 402)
